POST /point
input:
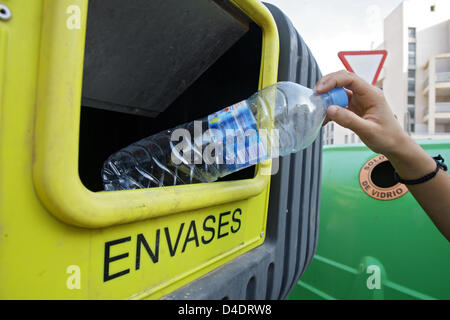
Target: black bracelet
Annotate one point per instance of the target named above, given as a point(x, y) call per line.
point(439, 164)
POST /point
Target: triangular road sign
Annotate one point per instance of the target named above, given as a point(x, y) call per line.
point(366, 64)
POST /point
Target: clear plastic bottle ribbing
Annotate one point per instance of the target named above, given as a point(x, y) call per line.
point(297, 114)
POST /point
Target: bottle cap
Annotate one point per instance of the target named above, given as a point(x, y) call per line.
point(339, 97)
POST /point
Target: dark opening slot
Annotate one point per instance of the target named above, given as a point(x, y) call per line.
point(232, 78)
point(383, 175)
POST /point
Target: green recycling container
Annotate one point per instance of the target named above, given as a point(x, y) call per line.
point(375, 241)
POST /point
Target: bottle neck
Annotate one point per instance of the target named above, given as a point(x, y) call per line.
point(322, 101)
point(326, 100)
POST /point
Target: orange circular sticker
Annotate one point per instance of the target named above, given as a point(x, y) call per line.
point(379, 184)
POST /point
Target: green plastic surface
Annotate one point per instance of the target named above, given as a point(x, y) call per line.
point(373, 249)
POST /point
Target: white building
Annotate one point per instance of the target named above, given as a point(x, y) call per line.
point(335, 134)
point(416, 74)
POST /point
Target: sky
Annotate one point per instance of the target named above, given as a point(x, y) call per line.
point(330, 26)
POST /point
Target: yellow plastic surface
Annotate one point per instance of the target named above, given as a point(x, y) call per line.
point(60, 240)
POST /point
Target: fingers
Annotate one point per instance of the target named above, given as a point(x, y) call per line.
point(349, 94)
point(349, 119)
point(342, 79)
point(326, 121)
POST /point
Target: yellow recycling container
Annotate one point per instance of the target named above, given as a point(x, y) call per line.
point(59, 240)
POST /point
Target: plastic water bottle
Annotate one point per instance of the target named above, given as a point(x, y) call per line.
point(279, 120)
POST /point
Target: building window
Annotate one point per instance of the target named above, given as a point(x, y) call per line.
point(411, 112)
point(409, 120)
point(412, 59)
point(346, 139)
point(411, 85)
point(411, 76)
point(432, 8)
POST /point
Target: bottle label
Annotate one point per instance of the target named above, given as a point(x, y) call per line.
point(235, 129)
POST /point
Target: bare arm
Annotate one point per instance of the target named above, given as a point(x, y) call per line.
point(412, 162)
point(370, 117)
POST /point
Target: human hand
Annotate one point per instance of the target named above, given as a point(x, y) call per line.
point(368, 114)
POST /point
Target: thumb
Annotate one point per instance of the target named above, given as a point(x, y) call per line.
point(348, 119)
